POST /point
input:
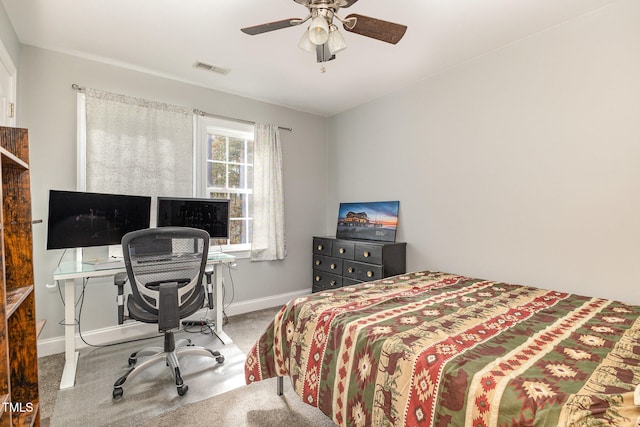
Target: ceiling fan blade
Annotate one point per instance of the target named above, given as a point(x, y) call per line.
point(271, 26)
point(376, 28)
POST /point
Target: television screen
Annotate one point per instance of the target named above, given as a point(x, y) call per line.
point(369, 221)
point(79, 219)
point(211, 215)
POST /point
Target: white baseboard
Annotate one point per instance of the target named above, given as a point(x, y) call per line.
point(135, 330)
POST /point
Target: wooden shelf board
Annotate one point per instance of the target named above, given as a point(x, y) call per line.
point(15, 297)
point(39, 326)
point(11, 159)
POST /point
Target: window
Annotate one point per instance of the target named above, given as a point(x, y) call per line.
point(228, 174)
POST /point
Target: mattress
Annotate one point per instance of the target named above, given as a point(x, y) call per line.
point(439, 349)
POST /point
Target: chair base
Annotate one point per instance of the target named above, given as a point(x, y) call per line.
point(182, 347)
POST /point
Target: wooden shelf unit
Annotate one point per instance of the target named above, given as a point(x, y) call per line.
point(18, 331)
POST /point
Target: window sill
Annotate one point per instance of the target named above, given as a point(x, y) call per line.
point(238, 251)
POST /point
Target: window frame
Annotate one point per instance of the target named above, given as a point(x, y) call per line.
point(230, 129)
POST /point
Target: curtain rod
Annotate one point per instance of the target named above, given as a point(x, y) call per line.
point(200, 112)
point(217, 116)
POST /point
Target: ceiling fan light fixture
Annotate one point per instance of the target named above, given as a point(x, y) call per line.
point(336, 41)
point(305, 43)
point(318, 30)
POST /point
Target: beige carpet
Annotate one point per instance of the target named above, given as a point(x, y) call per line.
point(151, 393)
point(151, 400)
point(255, 405)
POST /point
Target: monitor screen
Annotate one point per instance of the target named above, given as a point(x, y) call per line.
point(211, 215)
point(79, 219)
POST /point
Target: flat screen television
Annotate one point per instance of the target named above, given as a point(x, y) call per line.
point(211, 215)
point(80, 219)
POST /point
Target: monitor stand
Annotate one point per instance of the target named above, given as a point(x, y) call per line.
point(102, 258)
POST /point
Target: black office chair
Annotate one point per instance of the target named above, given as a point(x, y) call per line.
point(165, 267)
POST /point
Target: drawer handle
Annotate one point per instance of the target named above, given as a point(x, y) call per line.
point(318, 278)
point(366, 254)
point(333, 266)
point(318, 262)
point(369, 273)
point(333, 283)
point(320, 247)
point(350, 269)
point(341, 250)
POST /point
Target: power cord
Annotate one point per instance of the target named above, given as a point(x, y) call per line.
point(81, 299)
point(204, 326)
point(225, 319)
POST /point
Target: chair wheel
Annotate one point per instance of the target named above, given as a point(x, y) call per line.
point(183, 389)
point(132, 361)
point(220, 359)
point(117, 392)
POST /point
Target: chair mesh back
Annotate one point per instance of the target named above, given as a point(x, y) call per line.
point(163, 255)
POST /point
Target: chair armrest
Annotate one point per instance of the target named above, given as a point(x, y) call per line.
point(119, 280)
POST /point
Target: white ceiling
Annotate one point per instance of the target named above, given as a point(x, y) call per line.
point(166, 37)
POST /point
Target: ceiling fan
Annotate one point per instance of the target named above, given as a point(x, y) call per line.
point(323, 36)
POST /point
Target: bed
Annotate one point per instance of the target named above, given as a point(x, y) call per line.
point(431, 348)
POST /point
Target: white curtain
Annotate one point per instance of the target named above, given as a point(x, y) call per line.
point(135, 146)
point(268, 241)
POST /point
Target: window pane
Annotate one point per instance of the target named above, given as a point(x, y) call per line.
point(236, 231)
point(236, 209)
point(236, 150)
point(217, 148)
point(218, 242)
point(216, 173)
point(235, 180)
point(219, 195)
point(230, 176)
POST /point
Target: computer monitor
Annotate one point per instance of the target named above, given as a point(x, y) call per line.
point(80, 219)
point(211, 215)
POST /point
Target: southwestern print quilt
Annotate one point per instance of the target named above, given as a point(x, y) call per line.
point(438, 349)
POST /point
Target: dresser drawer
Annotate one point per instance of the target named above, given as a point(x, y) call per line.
point(329, 264)
point(342, 249)
point(348, 282)
point(325, 281)
point(344, 262)
point(362, 271)
point(321, 246)
point(368, 253)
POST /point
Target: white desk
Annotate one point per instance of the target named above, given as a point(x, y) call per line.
point(69, 271)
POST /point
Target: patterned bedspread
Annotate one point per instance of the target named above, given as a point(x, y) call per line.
point(438, 349)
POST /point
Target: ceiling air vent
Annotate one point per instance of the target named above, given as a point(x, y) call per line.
point(213, 68)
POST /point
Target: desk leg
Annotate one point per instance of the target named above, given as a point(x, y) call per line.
point(218, 307)
point(70, 354)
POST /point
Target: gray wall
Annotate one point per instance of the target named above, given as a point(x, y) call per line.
point(8, 36)
point(522, 165)
point(48, 110)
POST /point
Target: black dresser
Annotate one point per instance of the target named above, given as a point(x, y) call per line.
point(338, 262)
